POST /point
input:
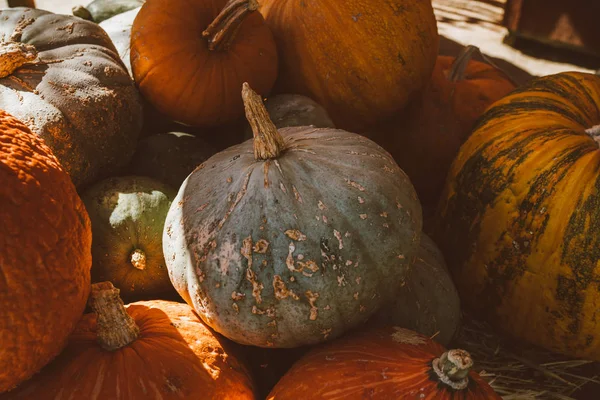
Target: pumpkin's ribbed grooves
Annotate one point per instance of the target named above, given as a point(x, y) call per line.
point(138, 259)
point(268, 143)
point(453, 368)
point(114, 327)
point(222, 31)
point(13, 55)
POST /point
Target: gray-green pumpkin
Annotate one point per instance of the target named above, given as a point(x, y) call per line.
point(100, 10)
point(294, 237)
point(118, 29)
point(427, 301)
point(128, 215)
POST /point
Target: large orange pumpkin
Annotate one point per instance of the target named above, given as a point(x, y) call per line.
point(190, 58)
point(426, 136)
point(519, 220)
point(145, 350)
point(383, 363)
point(361, 60)
point(45, 254)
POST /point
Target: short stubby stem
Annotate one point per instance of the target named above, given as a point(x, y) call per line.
point(138, 259)
point(594, 133)
point(223, 30)
point(453, 368)
point(82, 12)
point(13, 55)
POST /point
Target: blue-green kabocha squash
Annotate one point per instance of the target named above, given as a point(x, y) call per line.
point(293, 237)
point(101, 10)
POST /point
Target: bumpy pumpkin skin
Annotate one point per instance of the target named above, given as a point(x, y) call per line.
point(427, 301)
point(426, 136)
point(175, 357)
point(381, 363)
point(294, 250)
point(79, 98)
point(128, 215)
point(361, 60)
point(518, 221)
point(45, 255)
point(178, 74)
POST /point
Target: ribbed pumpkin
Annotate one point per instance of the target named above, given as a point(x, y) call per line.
point(519, 222)
point(128, 215)
point(45, 257)
point(294, 237)
point(427, 301)
point(100, 10)
point(62, 77)
point(148, 349)
point(383, 363)
point(189, 59)
point(426, 136)
point(361, 60)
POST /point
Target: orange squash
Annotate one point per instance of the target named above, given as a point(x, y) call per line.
point(519, 221)
point(383, 363)
point(426, 136)
point(45, 254)
point(361, 60)
point(190, 58)
point(149, 349)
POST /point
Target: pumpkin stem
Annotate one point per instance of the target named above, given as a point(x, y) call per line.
point(13, 55)
point(268, 142)
point(459, 66)
point(453, 368)
point(114, 327)
point(138, 259)
point(222, 31)
point(82, 12)
point(594, 132)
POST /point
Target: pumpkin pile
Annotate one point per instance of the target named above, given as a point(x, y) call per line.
point(250, 196)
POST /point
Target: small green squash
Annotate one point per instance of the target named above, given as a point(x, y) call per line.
point(100, 10)
point(128, 215)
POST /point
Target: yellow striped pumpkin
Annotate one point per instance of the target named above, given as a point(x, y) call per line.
point(519, 218)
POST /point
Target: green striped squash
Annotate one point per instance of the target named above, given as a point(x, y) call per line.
point(519, 218)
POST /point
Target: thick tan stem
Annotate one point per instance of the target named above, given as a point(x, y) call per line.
point(457, 70)
point(138, 259)
point(268, 142)
point(114, 327)
point(13, 55)
point(222, 31)
point(82, 12)
point(453, 368)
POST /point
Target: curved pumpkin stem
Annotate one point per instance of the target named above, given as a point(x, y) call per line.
point(114, 327)
point(13, 55)
point(457, 71)
point(268, 142)
point(222, 31)
point(453, 368)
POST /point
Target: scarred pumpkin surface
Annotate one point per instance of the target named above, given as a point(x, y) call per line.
point(45, 256)
point(519, 220)
point(171, 355)
point(294, 237)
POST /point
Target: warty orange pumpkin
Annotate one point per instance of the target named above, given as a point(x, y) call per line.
point(383, 363)
point(45, 254)
point(189, 59)
point(519, 219)
point(148, 349)
point(361, 60)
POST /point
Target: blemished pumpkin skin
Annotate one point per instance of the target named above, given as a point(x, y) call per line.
point(292, 238)
point(45, 254)
point(145, 350)
point(518, 220)
point(361, 60)
point(101, 10)
point(62, 76)
point(426, 136)
point(189, 59)
point(128, 215)
point(383, 363)
point(427, 301)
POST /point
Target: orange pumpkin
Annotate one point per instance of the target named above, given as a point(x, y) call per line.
point(383, 363)
point(149, 349)
point(190, 58)
point(426, 136)
point(45, 254)
point(361, 60)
